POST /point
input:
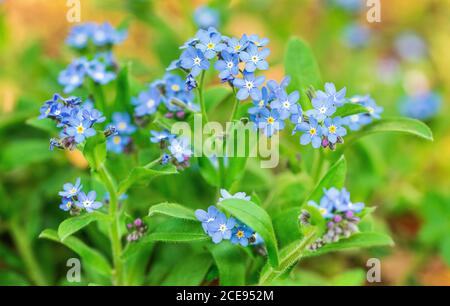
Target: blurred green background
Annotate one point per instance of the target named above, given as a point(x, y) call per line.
point(408, 179)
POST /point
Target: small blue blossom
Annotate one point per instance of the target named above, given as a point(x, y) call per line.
point(194, 60)
point(220, 229)
point(270, 122)
point(374, 110)
point(260, 104)
point(297, 118)
point(71, 190)
point(80, 129)
point(325, 207)
point(207, 217)
point(239, 195)
point(259, 42)
point(117, 143)
point(206, 17)
point(323, 108)
point(79, 35)
point(333, 129)
point(105, 34)
point(97, 71)
point(312, 133)
point(190, 83)
point(411, 47)
point(175, 64)
point(236, 46)
point(73, 76)
point(240, 234)
point(286, 104)
point(249, 86)
point(356, 35)
point(88, 201)
point(158, 137)
point(337, 97)
point(66, 204)
point(254, 58)
point(210, 42)
point(276, 88)
point(356, 121)
point(122, 122)
point(228, 65)
point(147, 102)
point(165, 159)
point(180, 149)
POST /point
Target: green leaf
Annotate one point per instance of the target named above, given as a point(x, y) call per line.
point(45, 124)
point(70, 226)
point(231, 263)
point(23, 153)
point(258, 219)
point(356, 241)
point(123, 97)
point(301, 65)
point(235, 170)
point(208, 171)
point(143, 176)
point(95, 150)
point(349, 109)
point(335, 177)
point(397, 125)
point(172, 210)
point(178, 230)
point(215, 95)
point(90, 257)
point(190, 271)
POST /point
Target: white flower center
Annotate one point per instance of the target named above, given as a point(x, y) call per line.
point(223, 228)
point(370, 109)
point(74, 79)
point(197, 61)
point(177, 148)
point(122, 125)
point(323, 110)
point(230, 65)
point(255, 58)
point(286, 104)
point(150, 103)
point(354, 118)
point(87, 203)
point(261, 103)
point(249, 84)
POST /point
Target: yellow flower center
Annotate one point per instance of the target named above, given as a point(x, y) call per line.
point(332, 129)
point(237, 47)
point(371, 110)
point(73, 190)
point(116, 139)
point(175, 87)
point(240, 234)
point(270, 120)
point(313, 131)
point(122, 126)
point(69, 204)
point(261, 103)
point(80, 129)
point(322, 211)
point(211, 45)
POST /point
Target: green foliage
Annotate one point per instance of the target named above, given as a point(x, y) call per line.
point(72, 225)
point(95, 151)
point(142, 176)
point(172, 210)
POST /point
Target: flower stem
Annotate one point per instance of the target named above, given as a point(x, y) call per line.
point(235, 106)
point(201, 98)
point(26, 253)
point(291, 257)
point(114, 232)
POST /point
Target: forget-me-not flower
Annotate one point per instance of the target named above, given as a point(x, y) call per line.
point(254, 58)
point(333, 129)
point(88, 201)
point(249, 86)
point(71, 190)
point(239, 195)
point(312, 133)
point(194, 60)
point(180, 148)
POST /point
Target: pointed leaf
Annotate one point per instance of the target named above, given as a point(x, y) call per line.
point(172, 210)
point(143, 176)
point(71, 225)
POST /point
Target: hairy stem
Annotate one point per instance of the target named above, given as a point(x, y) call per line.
point(114, 232)
point(290, 257)
point(26, 253)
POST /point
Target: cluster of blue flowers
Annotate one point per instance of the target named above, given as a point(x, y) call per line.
point(76, 119)
point(336, 202)
point(219, 227)
point(119, 142)
point(100, 35)
point(178, 150)
point(99, 70)
point(75, 200)
point(355, 122)
point(422, 106)
point(170, 92)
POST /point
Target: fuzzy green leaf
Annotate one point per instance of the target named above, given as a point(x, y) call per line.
point(143, 176)
point(258, 219)
point(172, 210)
point(95, 150)
point(231, 263)
point(178, 230)
point(71, 225)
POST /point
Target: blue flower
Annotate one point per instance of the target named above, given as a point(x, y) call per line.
point(286, 104)
point(79, 35)
point(88, 201)
point(206, 17)
point(259, 105)
point(92, 114)
point(356, 36)
point(97, 71)
point(158, 137)
point(422, 107)
point(374, 110)
point(337, 97)
point(241, 234)
point(325, 208)
point(180, 149)
point(332, 129)
point(175, 64)
point(51, 108)
point(228, 65)
point(66, 204)
point(254, 58)
point(276, 88)
point(236, 46)
point(249, 86)
point(270, 122)
point(190, 83)
point(73, 76)
point(80, 129)
point(323, 108)
point(195, 60)
point(71, 190)
point(165, 159)
point(354, 122)
point(239, 195)
point(117, 143)
point(220, 229)
point(312, 133)
point(210, 42)
point(297, 118)
point(105, 34)
point(207, 217)
point(259, 42)
point(147, 102)
point(341, 200)
point(411, 47)
point(123, 124)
